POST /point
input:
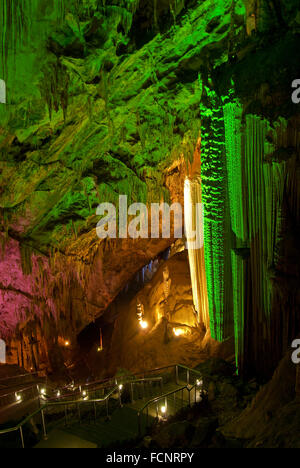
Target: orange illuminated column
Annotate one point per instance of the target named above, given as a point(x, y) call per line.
point(195, 234)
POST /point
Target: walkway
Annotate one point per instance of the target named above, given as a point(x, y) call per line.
point(122, 426)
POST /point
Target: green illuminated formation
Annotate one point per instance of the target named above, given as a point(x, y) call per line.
point(265, 181)
point(103, 99)
point(238, 209)
point(214, 179)
point(256, 189)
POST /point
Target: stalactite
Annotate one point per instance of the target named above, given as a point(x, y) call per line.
point(19, 26)
point(26, 261)
point(192, 197)
point(256, 187)
point(214, 187)
point(238, 215)
point(54, 88)
point(122, 13)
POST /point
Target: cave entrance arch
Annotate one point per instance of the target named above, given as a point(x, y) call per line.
point(2, 352)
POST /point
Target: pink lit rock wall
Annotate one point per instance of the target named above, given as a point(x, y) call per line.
point(21, 296)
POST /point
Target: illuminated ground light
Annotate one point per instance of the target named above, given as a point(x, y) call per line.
point(67, 343)
point(144, 325)
point(43, 392)
point(58, 394)
point(99, 349)
point(179, 331)
point(84, 394)
point(18, 397)
point(120, 387)
point(163, 410)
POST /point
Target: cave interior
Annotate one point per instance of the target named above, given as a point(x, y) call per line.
point(186, 105)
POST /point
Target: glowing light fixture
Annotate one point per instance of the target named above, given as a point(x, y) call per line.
point(58, 394)
point(121, 387)
point(67, 343)
point(163, 409)
point(18, 397)
point(178, 331)
point(144, 324)
point(43, 391)
point(199, 383)
point(84, 394)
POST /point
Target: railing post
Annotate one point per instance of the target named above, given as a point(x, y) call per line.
point(132, 393)
point(95, 412)
point(189, 397)
point(120, 397)
point(188, 376)
point(44, 425)
point(139, 424)
point(79, 415)
point(176, 373)
point(107, 413)
point(22, 437)
point(66, 415)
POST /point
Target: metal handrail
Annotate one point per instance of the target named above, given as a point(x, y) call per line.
point(30, 374)
point(157, 369)
point(19, 426)
point(189, 388)
point(22, 390)
point(101, 387)
point(17, 391)
point(160, 397)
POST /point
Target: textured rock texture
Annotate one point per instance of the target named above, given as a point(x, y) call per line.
point(112, 97)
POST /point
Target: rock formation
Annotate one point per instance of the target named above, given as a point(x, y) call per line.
point(115, 97)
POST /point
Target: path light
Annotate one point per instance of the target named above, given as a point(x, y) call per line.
point(43, 392)
point(84, 394)
point(144, 324)
point(121, 387)
point(163, 410)
point(199, 383)
point(67, 343)
point(18, 397)
point(58, 394)
point(178, 331)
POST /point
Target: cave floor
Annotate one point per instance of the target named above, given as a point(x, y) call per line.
point(62, 439)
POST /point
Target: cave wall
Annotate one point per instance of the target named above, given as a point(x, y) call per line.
point(110, 98)
point(250, 149)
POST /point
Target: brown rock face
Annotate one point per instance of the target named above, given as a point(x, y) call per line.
point(172, 334)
